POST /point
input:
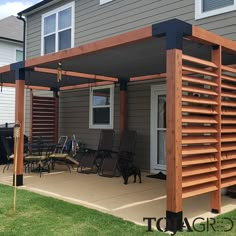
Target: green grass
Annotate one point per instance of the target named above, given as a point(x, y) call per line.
point(45, 216)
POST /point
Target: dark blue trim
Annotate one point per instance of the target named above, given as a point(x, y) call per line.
point(19, 68)
point(174, 30)
point(123, 84)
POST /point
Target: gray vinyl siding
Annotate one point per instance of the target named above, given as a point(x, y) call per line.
point(94, 22)
point(74, 119)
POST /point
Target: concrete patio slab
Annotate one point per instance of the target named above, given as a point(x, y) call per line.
point(132, 202)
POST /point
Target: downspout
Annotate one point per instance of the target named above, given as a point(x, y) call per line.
point(19, 17)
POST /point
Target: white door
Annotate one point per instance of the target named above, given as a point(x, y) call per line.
point(158, 129)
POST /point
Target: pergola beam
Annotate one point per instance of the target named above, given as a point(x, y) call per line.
point(87, 85)
point(76, 74)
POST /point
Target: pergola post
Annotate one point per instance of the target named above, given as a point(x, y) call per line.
point(174, 140)
point(216, 195)
point(123, 105)
point(19, 119)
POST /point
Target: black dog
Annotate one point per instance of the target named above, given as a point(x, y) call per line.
point(127, 169)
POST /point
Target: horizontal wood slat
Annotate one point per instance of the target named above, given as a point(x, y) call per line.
point(229, 121)
point(228, 78)
point(228, 182)
point(199, 189)
point(199, 110)
point(199, 119)
point(198, 71)
point(199, 100)
point(227, 164)
point(199, 61)
point(228, 86)
point(228, 104)
point(198, 149)
point(198, 139)
point(198, 130)
point(228, 155)
point(229, 69)
point(198, 179)
point(228, 129)
point(194, 89)
point(198, 159)
point(197, 80)
point(228, 94)
point(38, 98)
point(227, 173)
point(50, 106)
point(228, 138)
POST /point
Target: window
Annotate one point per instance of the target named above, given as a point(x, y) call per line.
point(206, 8)
point(19, 55)
point(101, 107)
point(104, 1)
point(58, 29)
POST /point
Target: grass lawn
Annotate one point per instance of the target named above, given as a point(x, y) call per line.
point(45, 216)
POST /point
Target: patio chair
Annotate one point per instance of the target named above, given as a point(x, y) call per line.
point(64, 152)
point(7, 142)
point(9, 153)
point(38, 158)
point(126, 153)
point(92, 159)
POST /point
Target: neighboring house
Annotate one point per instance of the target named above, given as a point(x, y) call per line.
point(11, 50)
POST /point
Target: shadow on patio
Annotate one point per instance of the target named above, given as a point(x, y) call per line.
point(132, 202)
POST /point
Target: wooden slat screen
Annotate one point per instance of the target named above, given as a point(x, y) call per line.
point(43, 118)
point(200, 138)
point(228, 132)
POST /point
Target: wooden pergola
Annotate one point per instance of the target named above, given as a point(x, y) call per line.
point(201, 100)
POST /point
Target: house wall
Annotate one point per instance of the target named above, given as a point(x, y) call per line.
point(94, 22)
point(74, 118)
point(7, 95)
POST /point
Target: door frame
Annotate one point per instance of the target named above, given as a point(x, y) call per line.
point(161, 88)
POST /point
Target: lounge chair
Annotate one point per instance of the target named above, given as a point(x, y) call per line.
point(64, 153)
point(92, 159)
point(126, 153)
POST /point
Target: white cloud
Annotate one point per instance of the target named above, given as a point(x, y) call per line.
point(12, 8)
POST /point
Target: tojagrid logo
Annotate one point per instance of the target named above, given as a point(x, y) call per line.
point(199, 224)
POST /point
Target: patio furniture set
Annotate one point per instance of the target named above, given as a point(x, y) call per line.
point(40, 157)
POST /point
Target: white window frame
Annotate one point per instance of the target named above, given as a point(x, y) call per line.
point(56, 11)
point(104, 1)
point(105, 126)
point(199, 14)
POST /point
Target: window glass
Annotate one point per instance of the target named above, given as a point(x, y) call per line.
point(64, 39)
point(209, 5)
point(50, 24)
point(64, 19)
point(49, 44)
point(101, 97)
point(19, 55)
point(101, 116)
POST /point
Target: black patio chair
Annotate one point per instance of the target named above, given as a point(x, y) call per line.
point(93, 159)
point(126, 153)
point(9, 153)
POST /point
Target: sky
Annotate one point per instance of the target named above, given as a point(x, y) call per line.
point(12, 7)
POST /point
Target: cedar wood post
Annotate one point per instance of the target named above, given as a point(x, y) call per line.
point(123, 105)
point(173, 30)
point(174, 139)
point(216, 195)
point(19, 116)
